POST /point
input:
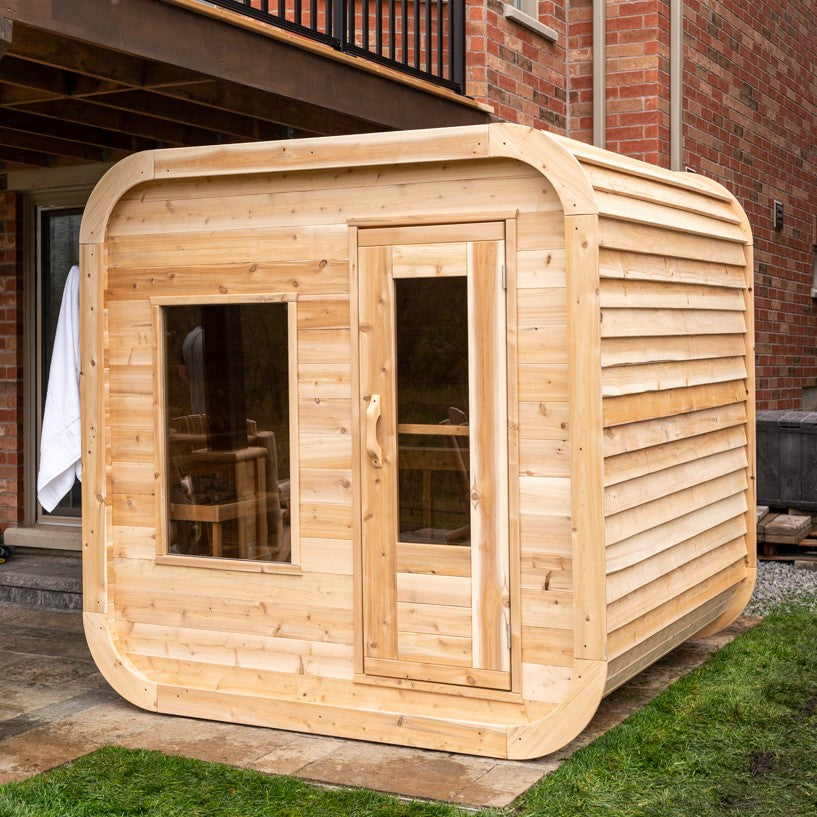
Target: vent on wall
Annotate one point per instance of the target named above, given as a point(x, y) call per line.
point(777, 215)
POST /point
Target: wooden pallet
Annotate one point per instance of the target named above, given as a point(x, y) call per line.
point(784, 529)
point(789, 557)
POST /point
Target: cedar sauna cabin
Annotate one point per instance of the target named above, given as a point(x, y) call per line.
point(431, 438)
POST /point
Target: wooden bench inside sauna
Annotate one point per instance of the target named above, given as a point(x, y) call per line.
point(430, 438)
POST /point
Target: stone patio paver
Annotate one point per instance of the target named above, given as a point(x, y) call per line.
point(294, 755)
point(395, 769)
point(232, 744)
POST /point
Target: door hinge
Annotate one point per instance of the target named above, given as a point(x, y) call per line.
point(504, 283)
point(508, 632)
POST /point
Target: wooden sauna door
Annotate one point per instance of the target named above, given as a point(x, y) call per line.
point(434, 492)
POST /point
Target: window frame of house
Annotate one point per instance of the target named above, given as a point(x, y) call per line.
point(526, 13)
point(35, 204)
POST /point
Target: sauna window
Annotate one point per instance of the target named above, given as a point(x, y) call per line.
point(432, 410)
point(227, 431)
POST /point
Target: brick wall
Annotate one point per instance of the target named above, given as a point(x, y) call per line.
point(637, 65)
point(11, 365)
point(515, 70)
point(750, 104)
point(580, 70)
point(637, 76)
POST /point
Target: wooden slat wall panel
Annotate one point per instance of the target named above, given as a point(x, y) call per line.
point(622, 380)
point(431, 648)
point(629, 323)
point(548, 646)
point(637, 267)
point(419, 588)
point(660, 294)
point(657, 484)
point(284, 636)
point(647, 543)
point(152, 255)
point(545, 458)
point(316, 590)
point(437, 560)
point(325, 448)
point(350, 178)
point(669, 216)
point(629, 580)
point(638, 462)
point(157, 250)
point(674, 370)
point(541, 268)
point(638, 435)
point(544, 454)
point(317, 276)
point(548, 681)
point(661, 616)
point(215, 646)
point(310, 207)
point(630, 237)
point(334, 196)
point(662, 404)
point(434, 619)
point(273, 686)
point(630, 351)
point(603, 163)
point(638, 187)
point(652, 514)
point(130, 385)
point(651, 648)
point(283, 620)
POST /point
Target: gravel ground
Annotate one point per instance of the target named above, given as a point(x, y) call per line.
point(779, 583)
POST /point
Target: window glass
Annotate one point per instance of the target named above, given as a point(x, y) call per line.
point(528, 7)
point(227, 430)
point(59, 251)
point(432, 409)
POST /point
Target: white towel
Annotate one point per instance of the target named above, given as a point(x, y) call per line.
point(61, 439)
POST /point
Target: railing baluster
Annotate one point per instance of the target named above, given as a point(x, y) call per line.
point(429, 49)
point(339, 23)
point(350, 23)
point(392, 33)
point(458, 45)
point(416, 33)
point(440, 40)
point(335, 23)
point(404, 31)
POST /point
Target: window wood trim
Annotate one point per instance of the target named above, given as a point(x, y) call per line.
point(158, 303)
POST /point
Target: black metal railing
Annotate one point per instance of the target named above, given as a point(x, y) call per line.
point(423, 38)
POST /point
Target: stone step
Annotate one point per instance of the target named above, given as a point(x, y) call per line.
point(42, 580)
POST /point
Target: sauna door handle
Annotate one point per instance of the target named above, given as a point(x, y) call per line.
point(372, 445)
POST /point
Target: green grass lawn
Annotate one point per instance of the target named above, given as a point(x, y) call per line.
point(736, 737)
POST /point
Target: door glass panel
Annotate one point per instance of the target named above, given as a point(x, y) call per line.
point(59, 251)
point(433, 489)
point(432, 409)
point(227, 431)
